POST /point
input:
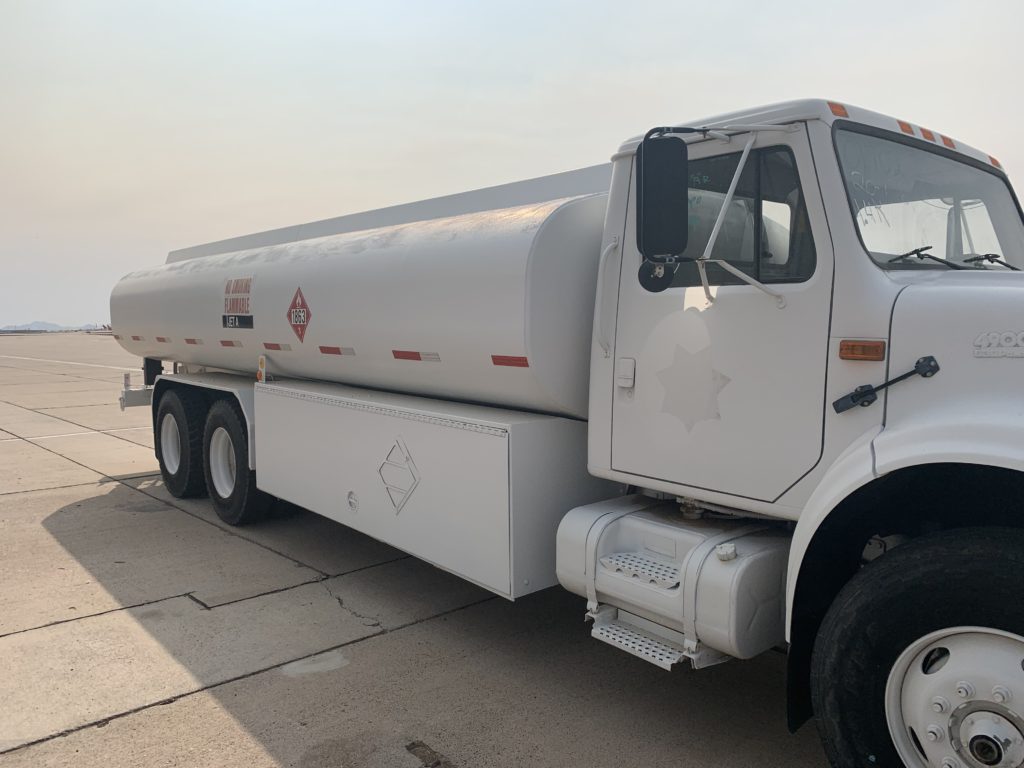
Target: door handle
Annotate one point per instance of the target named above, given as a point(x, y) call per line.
point(625, 372)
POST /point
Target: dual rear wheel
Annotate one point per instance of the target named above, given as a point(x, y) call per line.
point(203, 448)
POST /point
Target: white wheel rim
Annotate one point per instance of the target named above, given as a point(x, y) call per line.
point(222, 462)
point(960, 692)
point(170, 443)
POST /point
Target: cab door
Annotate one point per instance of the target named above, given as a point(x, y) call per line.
point(728, 395)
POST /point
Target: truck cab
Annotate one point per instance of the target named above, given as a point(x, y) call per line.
point(833, 343)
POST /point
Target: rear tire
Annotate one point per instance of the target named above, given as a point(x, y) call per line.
point(230, 482)
point(178, 441)
point(932, 609)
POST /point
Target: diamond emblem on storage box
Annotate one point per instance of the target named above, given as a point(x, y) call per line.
point(399, 474)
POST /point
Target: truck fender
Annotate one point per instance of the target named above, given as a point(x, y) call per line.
point(240, 386)
point(975, 441)
point(854, 468)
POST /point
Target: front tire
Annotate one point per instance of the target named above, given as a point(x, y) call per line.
point(231, 484)
point(919, 660)
point(178, 441)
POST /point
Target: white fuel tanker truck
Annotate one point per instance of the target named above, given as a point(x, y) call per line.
point(758, 383)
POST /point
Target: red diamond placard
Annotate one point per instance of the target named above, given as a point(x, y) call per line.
point(299, 315)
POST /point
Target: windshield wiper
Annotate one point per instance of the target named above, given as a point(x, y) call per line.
point(919, 253)
point(991, 258)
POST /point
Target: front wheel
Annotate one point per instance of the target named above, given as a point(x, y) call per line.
point(920, 660)
point(232, 485)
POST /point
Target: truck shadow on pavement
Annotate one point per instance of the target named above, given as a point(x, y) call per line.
point(298, 641)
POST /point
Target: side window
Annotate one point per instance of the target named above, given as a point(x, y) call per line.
point(765, 232)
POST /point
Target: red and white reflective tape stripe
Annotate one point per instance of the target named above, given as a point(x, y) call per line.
point(337, 351)
point(162, 340)
point(195, 342)
point(427, 357)
point(137, 338)
point(230, 343)
point(275, 347)
point(512, 361)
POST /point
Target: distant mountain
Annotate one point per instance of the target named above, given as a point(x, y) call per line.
point(39, 325)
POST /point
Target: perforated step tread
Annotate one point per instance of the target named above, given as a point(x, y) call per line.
point(639, 643)
point(637, 565)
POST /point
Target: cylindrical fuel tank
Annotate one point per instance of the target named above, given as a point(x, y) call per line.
point(493, 307)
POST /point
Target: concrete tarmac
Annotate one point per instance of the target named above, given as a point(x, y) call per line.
point(138, 630)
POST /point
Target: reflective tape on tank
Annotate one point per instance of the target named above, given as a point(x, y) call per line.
point(337, 351)
point(195, 342)
point(137, 338)
point(275, 347)
point(512, 361)
point(426, 357)
point(230, 343)
point(162, 340)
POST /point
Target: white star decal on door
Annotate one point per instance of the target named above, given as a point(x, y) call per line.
point(692, 387)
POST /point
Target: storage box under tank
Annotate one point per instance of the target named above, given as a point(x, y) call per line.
point(478, 491)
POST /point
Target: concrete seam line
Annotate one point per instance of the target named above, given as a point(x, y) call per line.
point(58, 622)
point(186, 694)
point(58, 418)
point(368, 567)
point(51, 373)
point(54, 487)
point(66, 458)
point(279, 590)
point(172, 505)
point(78, 405)
point(123, 481)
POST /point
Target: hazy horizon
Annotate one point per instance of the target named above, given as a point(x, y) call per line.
point(132, 129)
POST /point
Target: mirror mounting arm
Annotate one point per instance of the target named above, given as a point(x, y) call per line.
point(780, 300)
point(728, 198)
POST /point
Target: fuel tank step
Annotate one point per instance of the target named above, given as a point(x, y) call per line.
point(639, 566)
point(636, 641)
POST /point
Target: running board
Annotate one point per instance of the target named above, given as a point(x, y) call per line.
point(646, 640)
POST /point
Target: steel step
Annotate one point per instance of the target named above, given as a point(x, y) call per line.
point(640, 566)
point(636, 641)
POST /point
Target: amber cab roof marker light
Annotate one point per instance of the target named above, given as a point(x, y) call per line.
point(838, 109)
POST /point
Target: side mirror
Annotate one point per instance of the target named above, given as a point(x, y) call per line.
point(661, 197)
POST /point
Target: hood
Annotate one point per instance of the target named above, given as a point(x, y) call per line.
point(973, 324)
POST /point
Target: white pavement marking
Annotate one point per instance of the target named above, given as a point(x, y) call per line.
point(87, 432)
point(68, 362)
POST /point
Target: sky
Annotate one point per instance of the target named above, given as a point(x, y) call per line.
point(129, 128)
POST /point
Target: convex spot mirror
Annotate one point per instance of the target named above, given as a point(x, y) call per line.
point(661, 198)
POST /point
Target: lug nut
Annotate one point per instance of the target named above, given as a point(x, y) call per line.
point(935, 733)
point(940, 705)
point(949, 762)
point(1001, 694)
point(964, 689)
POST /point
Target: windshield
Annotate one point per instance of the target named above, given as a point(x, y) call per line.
point(906, 198)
